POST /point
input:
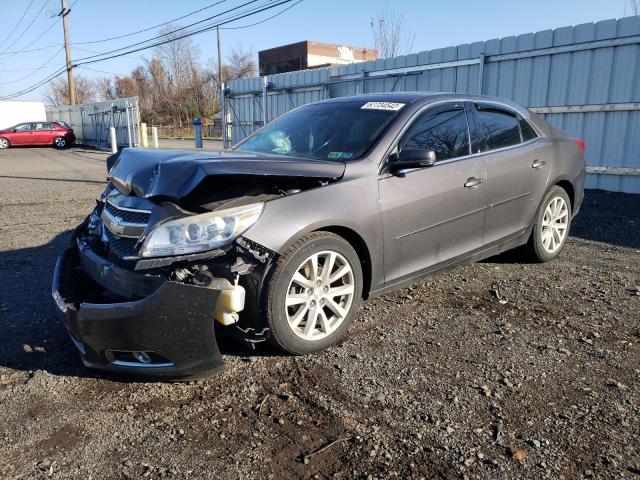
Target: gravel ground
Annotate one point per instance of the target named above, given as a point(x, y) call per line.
point(494, 370)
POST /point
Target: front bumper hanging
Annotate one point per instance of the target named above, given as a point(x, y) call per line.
point(169, 332)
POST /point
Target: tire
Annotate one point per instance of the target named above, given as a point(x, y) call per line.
point(546, 243)
point(60, 143)
point(289, 326)
point(4, 143)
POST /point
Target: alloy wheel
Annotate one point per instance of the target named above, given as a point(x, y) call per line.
point(60, 142)
point(3, 143)
point(555, 223)
point(320, 295)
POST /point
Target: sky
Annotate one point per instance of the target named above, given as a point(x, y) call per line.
point(435, 24)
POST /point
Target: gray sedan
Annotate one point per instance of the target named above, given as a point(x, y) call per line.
point(281, 237)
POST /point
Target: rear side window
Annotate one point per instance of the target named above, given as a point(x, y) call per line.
point(498, 129)
point(444, 131)
point(528, 133)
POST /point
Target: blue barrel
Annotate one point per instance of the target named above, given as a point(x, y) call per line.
point(197, 127)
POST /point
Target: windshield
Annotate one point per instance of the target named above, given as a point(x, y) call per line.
point(324, 131)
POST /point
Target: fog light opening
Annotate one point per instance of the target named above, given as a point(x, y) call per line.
point(137, 359)
point(142, 357)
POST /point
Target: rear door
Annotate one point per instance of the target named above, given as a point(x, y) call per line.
point(45, 133)
point(24, 134)
point(517, 161)
point(432, 215)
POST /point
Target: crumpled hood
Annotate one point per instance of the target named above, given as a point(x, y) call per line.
point(174, 174)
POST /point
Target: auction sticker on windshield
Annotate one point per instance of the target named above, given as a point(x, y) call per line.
point(382, 106)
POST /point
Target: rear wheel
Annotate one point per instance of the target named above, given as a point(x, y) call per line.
point(314, 293)
point(60, 142)
point(4, 143)
point(551, 227)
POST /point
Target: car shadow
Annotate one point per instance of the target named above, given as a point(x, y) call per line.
point(32, 338)
point(607, 217)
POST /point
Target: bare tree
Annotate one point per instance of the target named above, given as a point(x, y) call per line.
point(240, 64)
point(105, 89)
point(171, 87)
point(389, 35)
point(635, 7)
point(57, 92)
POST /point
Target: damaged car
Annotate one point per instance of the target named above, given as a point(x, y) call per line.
point(280, 238)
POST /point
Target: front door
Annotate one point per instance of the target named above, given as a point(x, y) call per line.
point(24, 134)
point(433, 215)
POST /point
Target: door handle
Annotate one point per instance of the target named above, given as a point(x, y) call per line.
point(472, 182)
point(538, 164)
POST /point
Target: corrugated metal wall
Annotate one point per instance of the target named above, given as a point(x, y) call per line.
point(583, 79)
point(91, 121)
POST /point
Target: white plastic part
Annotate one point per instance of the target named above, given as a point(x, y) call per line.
point(230, 301)
point(154, 136)
point(114, 141)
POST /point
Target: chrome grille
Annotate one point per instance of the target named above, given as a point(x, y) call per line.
point(122, 229)
point(130, 216)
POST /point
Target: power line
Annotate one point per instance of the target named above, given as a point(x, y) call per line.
point(10, 54)
point(265, 20)
point(16, 52)
point(35, 17)
point(17, 24)
point(166, 35)
point(92, 59)
point(151, 28)
point(119, 36)
point(41, 67)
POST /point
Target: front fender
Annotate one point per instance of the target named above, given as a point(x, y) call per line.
point(349, 203)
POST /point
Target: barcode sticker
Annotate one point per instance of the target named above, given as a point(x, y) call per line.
point(382, 106)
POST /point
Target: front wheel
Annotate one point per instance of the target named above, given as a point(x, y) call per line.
point(551, 227)
point(314, 293)
point(60, 142)
point(4, 143)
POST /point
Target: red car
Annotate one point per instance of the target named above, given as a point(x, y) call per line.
point(58, 134)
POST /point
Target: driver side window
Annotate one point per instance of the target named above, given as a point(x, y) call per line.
point(27, 127)
point(442, 129)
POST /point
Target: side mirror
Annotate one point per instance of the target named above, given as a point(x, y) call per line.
point(414, 158)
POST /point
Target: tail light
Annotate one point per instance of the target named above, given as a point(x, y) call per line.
point(581, 145)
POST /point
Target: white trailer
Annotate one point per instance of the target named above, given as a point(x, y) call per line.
point(12, 113)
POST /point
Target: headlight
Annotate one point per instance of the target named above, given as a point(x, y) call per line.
point(199, 233)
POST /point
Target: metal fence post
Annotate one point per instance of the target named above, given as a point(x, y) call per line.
point(481, 73)
point(223, 113)
point(264, 100)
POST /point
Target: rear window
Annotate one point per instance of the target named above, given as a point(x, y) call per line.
point(498, 129)
point(528, 133)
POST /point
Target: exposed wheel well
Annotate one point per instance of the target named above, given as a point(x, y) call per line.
point(361, 249)
point(566, 185)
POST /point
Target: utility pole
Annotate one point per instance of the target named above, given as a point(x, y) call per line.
point(223, 113)
point(72, 84)
point(219, 56)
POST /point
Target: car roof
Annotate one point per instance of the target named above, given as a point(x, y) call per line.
point(422, 98)
point(400, 97)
